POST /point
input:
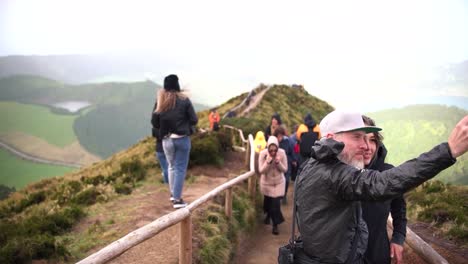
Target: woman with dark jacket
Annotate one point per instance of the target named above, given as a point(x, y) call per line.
point(375, 213)
point(174, 117)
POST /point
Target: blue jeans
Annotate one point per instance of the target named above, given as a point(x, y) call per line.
point(177, 152)
point(163, 162)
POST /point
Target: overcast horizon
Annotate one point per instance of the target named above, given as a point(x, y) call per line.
point(348, 53)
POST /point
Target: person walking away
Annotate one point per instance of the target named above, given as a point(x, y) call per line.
point(333, 183)
point(160, 156)
point(307, 134)
point(375, 213)
point(272, 165)
point(214, 119)
point(174, 118)
point(285, 144)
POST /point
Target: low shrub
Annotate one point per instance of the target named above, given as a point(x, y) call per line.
point(122, 188)
point(94, 180)
point(134, 170)
point(86, 197)
point(206, 149)
point(34, 236)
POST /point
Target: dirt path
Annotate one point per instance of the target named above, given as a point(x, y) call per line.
point(26, 156)
point(152, 202)
point(254, 101)
point(263, 246)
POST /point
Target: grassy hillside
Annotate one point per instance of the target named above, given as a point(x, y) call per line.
point(37, 121)
point(36, 221)
point(291, 103)
point(415, 129)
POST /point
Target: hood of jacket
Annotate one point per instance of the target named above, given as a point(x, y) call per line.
point(309, 121)
point(326, 149)
point(272, 140)
point(378, 160)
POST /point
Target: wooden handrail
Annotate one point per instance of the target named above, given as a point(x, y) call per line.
point(240, 132)
point(182, 216)
point(420, 246)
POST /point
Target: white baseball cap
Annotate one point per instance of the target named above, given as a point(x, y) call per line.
point(344, 121)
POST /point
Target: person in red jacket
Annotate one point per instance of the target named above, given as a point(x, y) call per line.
point(214, 120)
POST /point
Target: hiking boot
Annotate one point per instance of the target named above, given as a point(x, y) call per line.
point(275, 230)
point(179, 204)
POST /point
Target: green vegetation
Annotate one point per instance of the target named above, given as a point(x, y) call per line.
point(5, 191)
point(35, 221)
point(208, 148)
point(412, 130)
point(37, 121)
point(18, 173)
point(442, 205)
point(217, 235)
point(119, 117)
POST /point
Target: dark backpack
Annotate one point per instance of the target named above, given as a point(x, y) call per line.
point(307, 141)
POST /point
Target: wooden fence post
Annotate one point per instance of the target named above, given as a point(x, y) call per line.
point(185, 248)
point(228, 203)
point(247, 155)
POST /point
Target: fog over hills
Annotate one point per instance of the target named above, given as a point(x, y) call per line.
point(447, 85)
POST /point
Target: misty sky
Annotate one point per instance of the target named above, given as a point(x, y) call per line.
point(345, 52)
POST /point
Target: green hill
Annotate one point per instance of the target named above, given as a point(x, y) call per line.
point(292, 103)
point(411, 130)
point(118, 117)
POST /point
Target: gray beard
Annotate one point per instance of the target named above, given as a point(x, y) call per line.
point(359, 164)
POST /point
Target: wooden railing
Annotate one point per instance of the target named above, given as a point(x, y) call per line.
point(182, 216)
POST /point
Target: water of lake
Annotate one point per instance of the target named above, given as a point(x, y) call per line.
point(72, 106)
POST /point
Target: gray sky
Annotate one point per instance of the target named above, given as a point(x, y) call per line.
point(341, 51)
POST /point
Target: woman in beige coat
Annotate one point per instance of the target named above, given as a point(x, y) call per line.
point(272, 164)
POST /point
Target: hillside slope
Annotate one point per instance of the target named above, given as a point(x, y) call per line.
point(412, 130)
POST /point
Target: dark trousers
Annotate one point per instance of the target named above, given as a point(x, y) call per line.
point(272, 208)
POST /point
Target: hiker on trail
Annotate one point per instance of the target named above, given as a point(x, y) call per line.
point(274, 123)
point(375, 213)
point(174, 117)
point(333, 183)
point(214, 119)
point(259, 141)
point(160, 156)
point(285, 144)
point(306, 135)
point(272, 164)
point(296, 154)
point(259, 144)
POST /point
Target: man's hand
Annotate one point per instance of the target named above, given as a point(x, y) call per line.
point(396, 253)
point(458, 139)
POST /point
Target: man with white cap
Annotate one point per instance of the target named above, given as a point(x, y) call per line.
point(333, 182)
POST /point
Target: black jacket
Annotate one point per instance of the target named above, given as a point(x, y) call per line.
point(375, 214)
point(178, 120)
point(155, 133)
point(329, 194)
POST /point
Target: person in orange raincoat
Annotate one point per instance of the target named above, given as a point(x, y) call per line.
point(214, 120)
